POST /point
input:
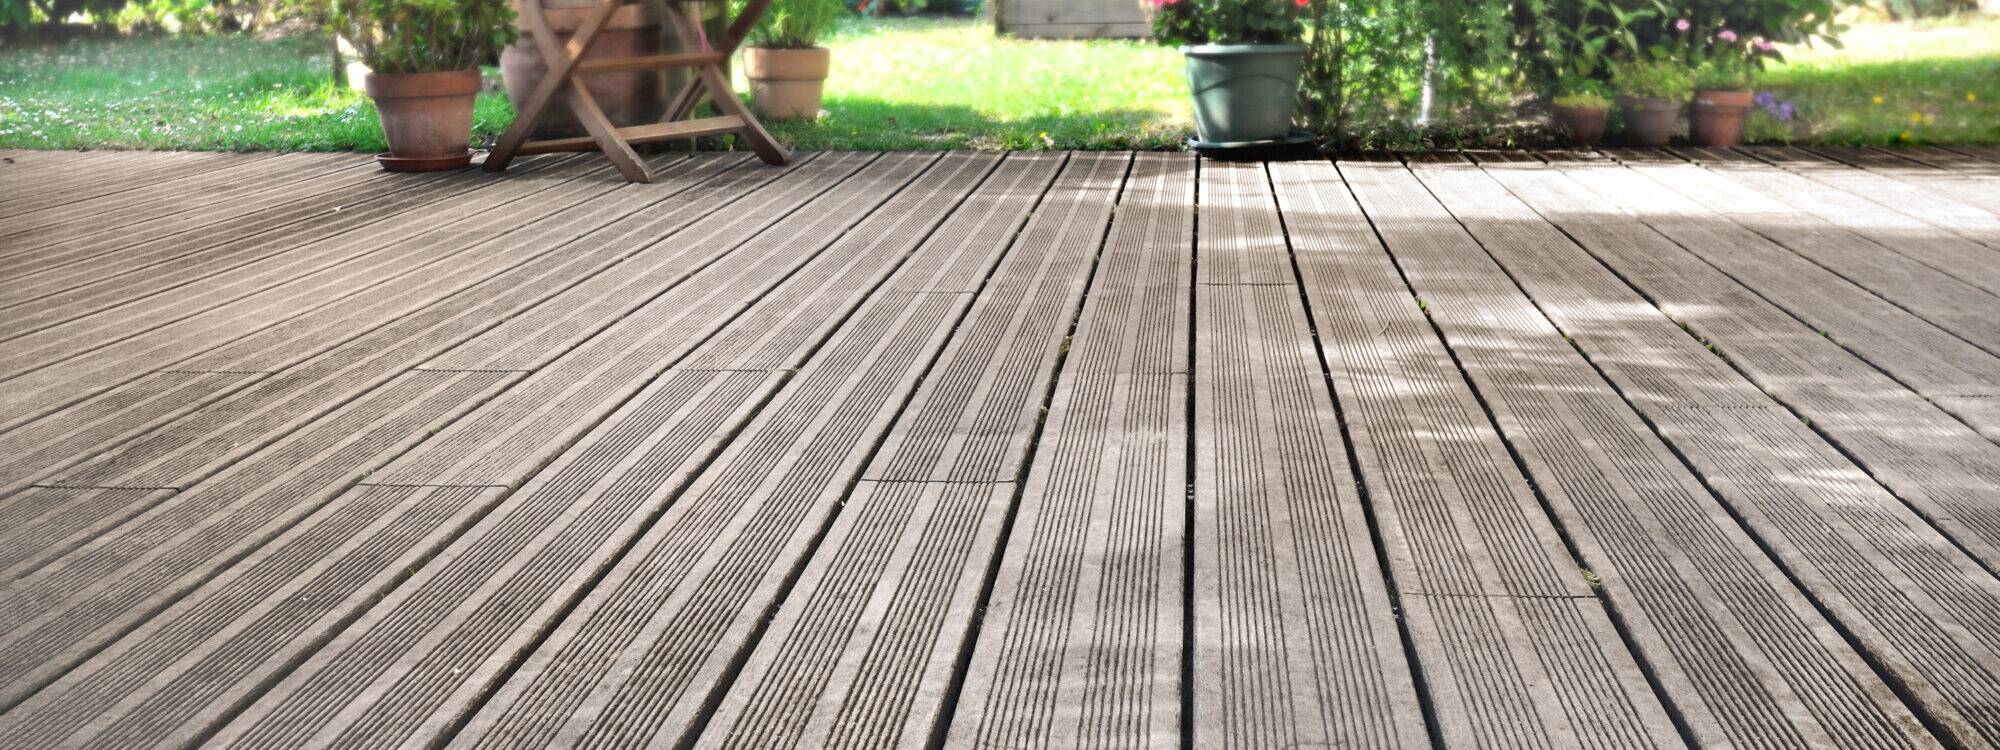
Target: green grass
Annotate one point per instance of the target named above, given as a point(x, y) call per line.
point(1925, 82)
point(932, 83)
point(905, 84)
point(209, 93)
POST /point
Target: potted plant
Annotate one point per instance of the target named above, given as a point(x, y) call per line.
point(1722, 96)
point(1243, 61)
point(423, 60)
point(1651, 95)
point(1581, 111)
point(784, 62)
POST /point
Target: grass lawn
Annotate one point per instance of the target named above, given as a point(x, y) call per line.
point(906, 84)
point(1924, 82)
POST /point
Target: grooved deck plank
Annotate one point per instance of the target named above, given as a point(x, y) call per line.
point(136, 169)
point(1912, 601)
point(1958, 307)
point(1512, 646)
point(509, 439)
point(1932, 206)
point(92, 317)
point(1964, 259)
point(1238, 230)
point(1295, 638)
point(72, 377)
point(267, 172)
point(102, 184)
point(1081, 641)
point(1975, 186)
point(399, 701)
point(1909, 348)
point(71, 607)
point(20, 166)
point(213, 649)
point(336, 353)
point(1742, 654)
point(530, 341)
point(885, 604)
point(587, 505)
point(79, 259)
point(130, 412)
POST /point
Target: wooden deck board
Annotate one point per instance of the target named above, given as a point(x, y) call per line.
point(908, 449)
point(1741, 652)
point(1081, 642)
point(1510, 641)
point(1827, 521)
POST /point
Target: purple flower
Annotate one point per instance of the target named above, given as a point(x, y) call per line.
point(1727, 36)
point(1682, 25)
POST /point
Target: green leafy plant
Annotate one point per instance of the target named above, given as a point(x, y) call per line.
point(1584, 93)
point(1653, 79)
point(1725, 73)
point(419, 36)
point(1227, 21)
point(796, 24)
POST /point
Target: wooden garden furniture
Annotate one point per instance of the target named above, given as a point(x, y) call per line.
point(565, 67)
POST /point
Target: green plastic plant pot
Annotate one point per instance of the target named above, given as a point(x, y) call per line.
point(1243, 92)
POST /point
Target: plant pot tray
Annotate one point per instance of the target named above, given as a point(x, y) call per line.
point(1297, 144)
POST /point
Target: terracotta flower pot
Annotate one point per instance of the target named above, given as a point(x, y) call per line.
point(1583, 126)
point(627, 98)
point(1649, 121)
point(1719, 116)
point(786, 84)
point(427, 118)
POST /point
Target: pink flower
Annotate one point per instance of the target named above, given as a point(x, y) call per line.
point(1762, 44)
point(1303, 3)
point(1727, 36)
point(1682, 25)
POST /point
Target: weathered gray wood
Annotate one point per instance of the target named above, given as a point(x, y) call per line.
point(1743, 654)
point(1081, 642)
point(1882, 572)
point(1514, 648)
point(873, 328)
point(887, 601)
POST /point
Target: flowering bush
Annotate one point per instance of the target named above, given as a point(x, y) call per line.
point(1227, 21)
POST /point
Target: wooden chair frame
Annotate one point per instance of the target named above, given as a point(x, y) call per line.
point(565, 66)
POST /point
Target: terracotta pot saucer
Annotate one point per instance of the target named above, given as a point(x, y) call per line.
point(423, 163)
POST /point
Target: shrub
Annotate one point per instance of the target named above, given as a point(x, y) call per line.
point(1583, 101)
point(796, 24)
point(1227, 21)
point(420, 36)
point(1653, 79)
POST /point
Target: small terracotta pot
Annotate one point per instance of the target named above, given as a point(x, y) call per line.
point(785, 84)
point(1584, 126)
point(1650, 121)
point(1718, 117)
point(427, 118)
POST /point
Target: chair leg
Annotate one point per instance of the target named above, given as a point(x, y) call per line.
point(767, 148)
point(560, 60)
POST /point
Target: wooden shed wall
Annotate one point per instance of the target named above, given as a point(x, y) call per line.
point(1072, 19)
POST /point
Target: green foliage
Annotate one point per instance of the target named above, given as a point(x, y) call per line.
point(1724, 73)
point(1181, 22)
point(419, 36)
point(1653, 79)
point(1585, 101)
point(796, 24)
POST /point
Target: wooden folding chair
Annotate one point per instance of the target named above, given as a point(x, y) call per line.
point(709, 80)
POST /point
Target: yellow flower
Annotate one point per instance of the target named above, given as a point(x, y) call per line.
point(1916, 117)
point(1971, 97)
point(1905, 135)
point(1878, 101)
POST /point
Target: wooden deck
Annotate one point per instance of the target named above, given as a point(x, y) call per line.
point(1631, 449)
